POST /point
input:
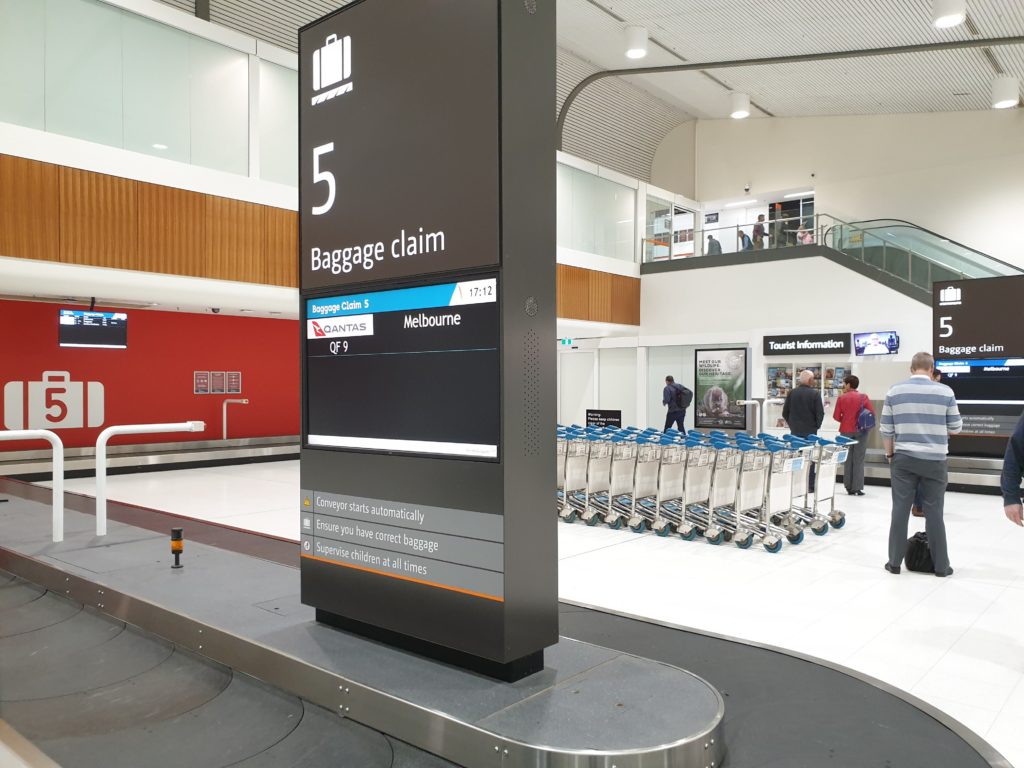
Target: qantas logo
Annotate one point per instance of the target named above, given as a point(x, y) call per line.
point(342, 327)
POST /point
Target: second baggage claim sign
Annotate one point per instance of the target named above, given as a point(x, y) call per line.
point(427, 240)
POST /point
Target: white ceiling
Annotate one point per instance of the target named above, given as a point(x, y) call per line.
point(717, 30)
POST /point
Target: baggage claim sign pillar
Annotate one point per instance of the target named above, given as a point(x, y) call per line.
point(427, 249)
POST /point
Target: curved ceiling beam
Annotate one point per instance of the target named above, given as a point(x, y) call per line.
point(799, 59)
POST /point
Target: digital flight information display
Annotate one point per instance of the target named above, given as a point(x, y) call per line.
point(410, 370)
point(79, 328)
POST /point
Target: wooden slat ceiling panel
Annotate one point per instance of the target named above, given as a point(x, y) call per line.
point(282, 246)
point(234, 240)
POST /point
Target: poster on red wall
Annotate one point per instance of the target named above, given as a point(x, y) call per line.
point(77, 392)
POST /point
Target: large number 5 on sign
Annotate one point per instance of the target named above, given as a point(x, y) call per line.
point(327, 176)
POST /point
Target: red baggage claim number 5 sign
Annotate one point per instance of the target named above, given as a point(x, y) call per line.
point(55, 402)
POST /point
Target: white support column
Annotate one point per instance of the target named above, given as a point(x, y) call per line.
point(57, 502)
point(101, 458)
point(254, 116)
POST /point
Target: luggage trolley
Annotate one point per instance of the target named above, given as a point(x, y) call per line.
point(645, 487)
point(827, 456)
point(749, 516)
point(616, 503)
point(574, 483)
point(598, 478)
point(669, 509)
point(804, 508)
point(720, 491)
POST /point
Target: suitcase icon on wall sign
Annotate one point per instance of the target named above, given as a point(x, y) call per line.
point(332, 64)
point(56, 402)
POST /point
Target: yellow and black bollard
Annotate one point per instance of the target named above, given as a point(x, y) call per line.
point(177, 546)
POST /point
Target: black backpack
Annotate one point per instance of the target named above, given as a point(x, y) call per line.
point(683, 397)
point(919, 557)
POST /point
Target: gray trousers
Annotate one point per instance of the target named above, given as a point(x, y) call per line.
point(908, 476)
point(853, 469)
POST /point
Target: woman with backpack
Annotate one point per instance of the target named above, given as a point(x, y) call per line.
point(856, 417)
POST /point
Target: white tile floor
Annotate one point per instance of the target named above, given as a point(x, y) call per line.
point(957, 643)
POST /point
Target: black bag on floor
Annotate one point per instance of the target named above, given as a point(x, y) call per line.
point(919, 557)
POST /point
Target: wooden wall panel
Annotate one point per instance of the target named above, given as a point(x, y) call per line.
point(172, 231)
point(29, 205)
point(573, 292)
point(99, 221)
point(234, 240)
point(625, 301)
point(281, 230)
point(585, 294)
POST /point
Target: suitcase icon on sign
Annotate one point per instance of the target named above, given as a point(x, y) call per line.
point(56, 402)
point(332, 64)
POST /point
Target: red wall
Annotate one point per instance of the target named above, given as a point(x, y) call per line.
point(151, 381)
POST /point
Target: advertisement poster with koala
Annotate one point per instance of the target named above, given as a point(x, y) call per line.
point(721, 381)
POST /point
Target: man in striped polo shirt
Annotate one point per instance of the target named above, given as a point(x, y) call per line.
point(918, 417)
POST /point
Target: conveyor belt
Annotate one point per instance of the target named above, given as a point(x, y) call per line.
point(90, 691)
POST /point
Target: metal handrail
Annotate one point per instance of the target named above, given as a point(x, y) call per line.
point(224, 413)
point(57, 502)
point(101, 458)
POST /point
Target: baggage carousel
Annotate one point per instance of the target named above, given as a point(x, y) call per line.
point(108, 657)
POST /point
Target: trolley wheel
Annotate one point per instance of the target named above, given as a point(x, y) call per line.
point(819, 528)
point(615, 524)
point(727, 535)
point(776, 519)
point(838, 522)
point(716, 539)
point(744, 542)
point(773, 545)
point(638, 527)
point(688, 533)
point(795, 538)
point(664, 530)
point(570, 516)
point(592, 520)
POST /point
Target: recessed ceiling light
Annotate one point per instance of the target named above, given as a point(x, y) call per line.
point(636, 42)
point(159, 146)
point(948, 13)
point(791, 195)
point(738, 203)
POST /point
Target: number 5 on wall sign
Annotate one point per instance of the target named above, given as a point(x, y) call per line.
point(56, 402)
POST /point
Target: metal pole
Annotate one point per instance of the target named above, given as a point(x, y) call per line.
point(57, 502)
point(224, 414)
point(101, 458)
point(990, 42)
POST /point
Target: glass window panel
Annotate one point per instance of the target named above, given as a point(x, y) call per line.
point(661, 362)
point(219, 107)
point(83, 71)
point(595, 215)
point(22, 38)
point(156, 102)
point(658, 234)
point(279, 124)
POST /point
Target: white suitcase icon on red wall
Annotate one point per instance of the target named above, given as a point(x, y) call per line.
point(332, 63)
point(56, 402)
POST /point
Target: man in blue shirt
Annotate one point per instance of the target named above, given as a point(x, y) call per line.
point(671, 396)
point(1013, 469)
point(918, 417)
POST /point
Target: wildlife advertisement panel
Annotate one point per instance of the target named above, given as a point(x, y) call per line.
point(720, 383)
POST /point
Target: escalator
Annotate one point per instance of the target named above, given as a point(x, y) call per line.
point(911, 253)
point(89, 690)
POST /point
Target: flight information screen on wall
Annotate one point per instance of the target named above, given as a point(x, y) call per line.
point(105, 330)
point(412, 370)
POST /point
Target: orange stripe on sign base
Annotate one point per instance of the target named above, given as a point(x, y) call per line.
point(469, 592)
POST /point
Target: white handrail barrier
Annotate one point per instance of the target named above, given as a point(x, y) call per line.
point(101, 458)
point(224, 413)
point(58, 471)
